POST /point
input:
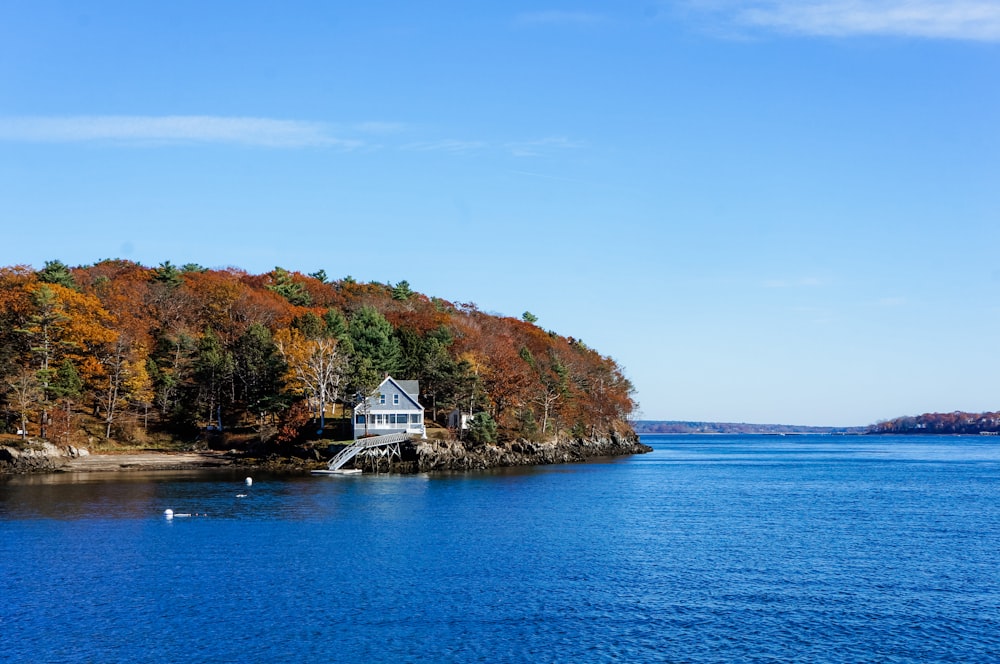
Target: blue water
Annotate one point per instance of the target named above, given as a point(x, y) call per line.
point(709, 549)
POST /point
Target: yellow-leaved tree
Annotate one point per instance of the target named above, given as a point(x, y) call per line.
point(316, 367)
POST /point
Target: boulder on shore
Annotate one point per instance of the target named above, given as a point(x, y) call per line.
point(32, 457)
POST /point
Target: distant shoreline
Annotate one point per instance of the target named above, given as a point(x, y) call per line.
point(682, 427)
point(759, 433)
point(953, 423)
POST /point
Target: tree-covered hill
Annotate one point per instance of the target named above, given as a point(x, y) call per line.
point(117, 350)
point(941, 423)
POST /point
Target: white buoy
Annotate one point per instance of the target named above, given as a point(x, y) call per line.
point(169, 513)
point(249, 481)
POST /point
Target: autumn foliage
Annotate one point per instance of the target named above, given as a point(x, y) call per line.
point(116, 349)
point(957, 422)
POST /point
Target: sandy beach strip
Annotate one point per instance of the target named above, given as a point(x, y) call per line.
point(147, 461)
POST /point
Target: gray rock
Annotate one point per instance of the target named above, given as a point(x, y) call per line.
point(32, 457)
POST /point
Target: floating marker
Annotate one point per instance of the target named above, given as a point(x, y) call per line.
point(169, 513)
point(249, 481)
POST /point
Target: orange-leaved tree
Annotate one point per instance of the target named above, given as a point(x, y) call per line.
point(64, 323)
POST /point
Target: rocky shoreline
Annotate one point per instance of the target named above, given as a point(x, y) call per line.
point(44, 457)
point(417, 457)
point(449, 455)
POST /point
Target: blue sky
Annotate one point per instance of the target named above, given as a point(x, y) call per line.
point(766, 211)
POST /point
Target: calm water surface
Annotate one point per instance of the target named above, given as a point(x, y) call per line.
point(709, 549)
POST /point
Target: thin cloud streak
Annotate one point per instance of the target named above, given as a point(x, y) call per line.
point(971, 20)
point(172, 130)
point(157, 131)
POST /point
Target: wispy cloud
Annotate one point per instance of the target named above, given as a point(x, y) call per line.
point(172, 129)
point(144, 131)
point(560, 17)
point(975, 20)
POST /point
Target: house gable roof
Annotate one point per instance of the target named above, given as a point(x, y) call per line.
point(411, 387)
point(399, 385)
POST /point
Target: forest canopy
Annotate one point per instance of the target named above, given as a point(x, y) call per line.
point(117, 350)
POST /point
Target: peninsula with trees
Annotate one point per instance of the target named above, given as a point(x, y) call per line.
point(117, 355)
point(954, 423)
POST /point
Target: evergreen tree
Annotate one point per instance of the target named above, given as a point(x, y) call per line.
point(482, 428)
point(46, 331)
point(283, 283)
point(168, 274)
point(336, 324)
point(401, 291)
point(310, 325)
point(426, 358)
point(258, 367)
point(214, 373)
point(66, 387)
point(56, 272)
point(172, 373)
point(376, 349)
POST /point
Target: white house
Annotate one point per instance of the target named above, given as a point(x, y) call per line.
point(391, 408)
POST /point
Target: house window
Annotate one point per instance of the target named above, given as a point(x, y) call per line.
point(381, 399)
point(361, 419)
point(395, 399)
point(414, 419)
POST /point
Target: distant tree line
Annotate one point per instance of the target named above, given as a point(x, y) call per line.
point(941, 423)
point(681, 427)
point(118, 350)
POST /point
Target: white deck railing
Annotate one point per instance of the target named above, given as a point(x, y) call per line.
point(351, 451)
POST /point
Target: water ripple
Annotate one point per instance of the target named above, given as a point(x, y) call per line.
point(724, 550)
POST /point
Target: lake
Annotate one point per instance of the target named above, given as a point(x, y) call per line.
point(709, 549)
